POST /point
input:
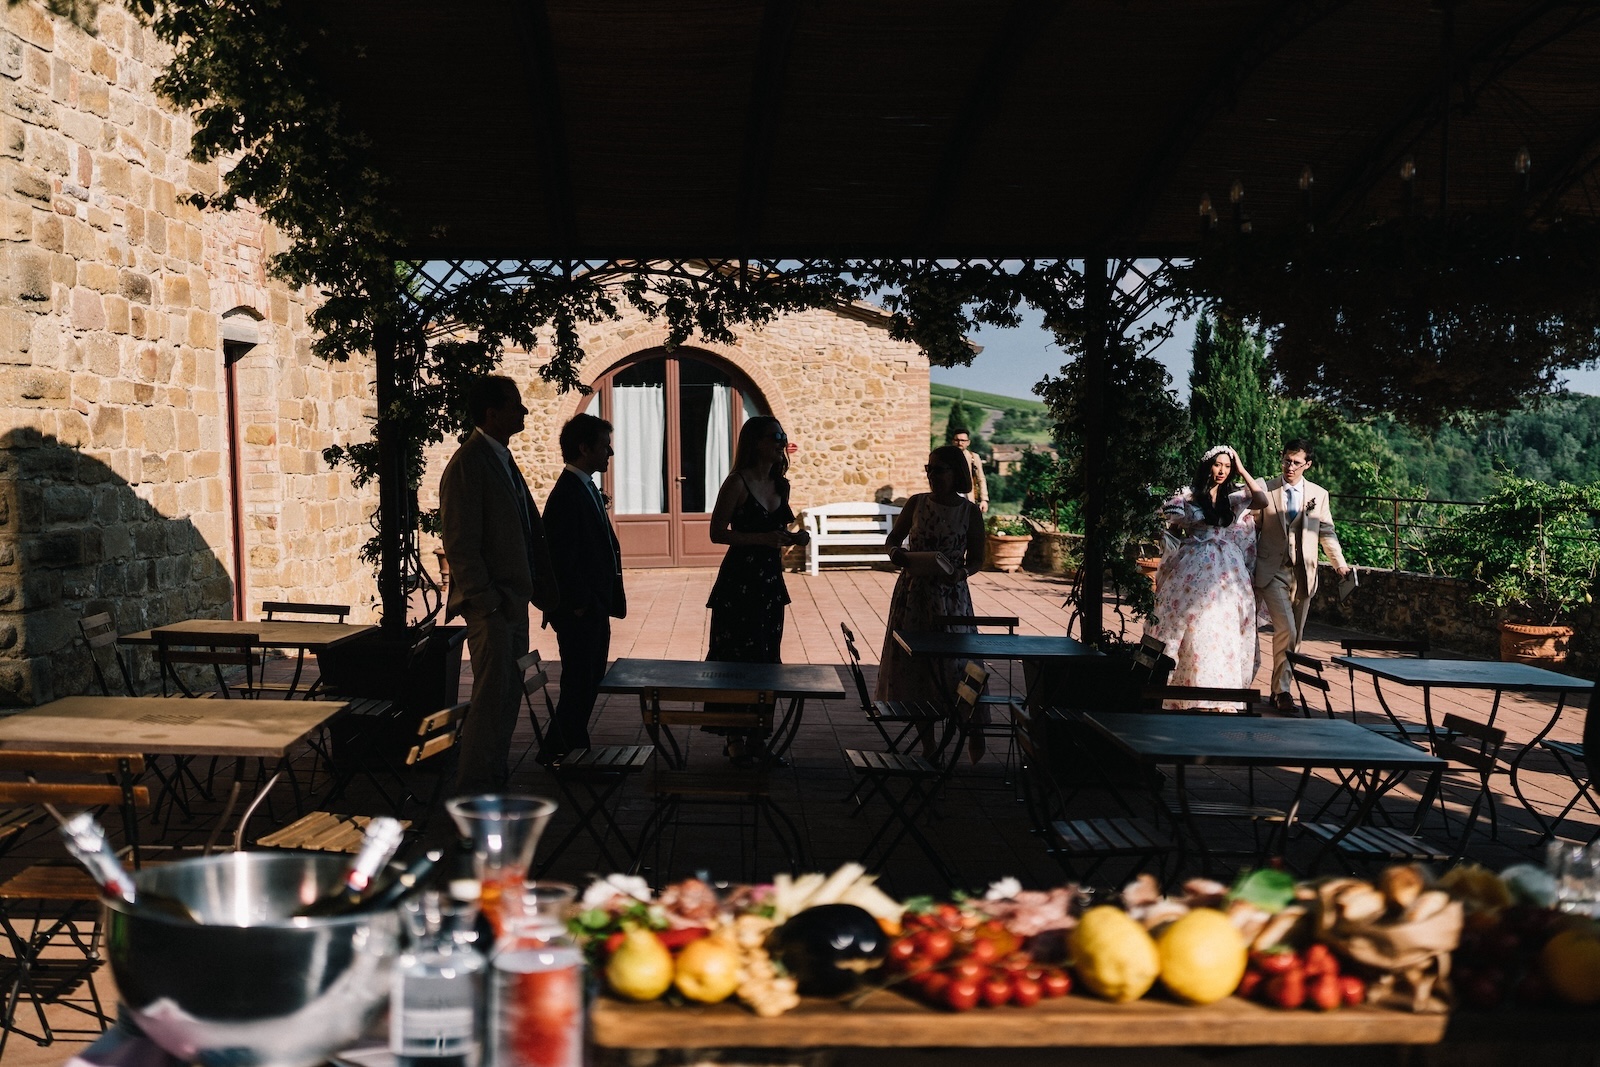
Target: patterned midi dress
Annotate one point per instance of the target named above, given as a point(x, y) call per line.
point(918, 599)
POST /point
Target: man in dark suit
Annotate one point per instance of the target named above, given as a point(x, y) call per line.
point(588, 569)
point(499, 564)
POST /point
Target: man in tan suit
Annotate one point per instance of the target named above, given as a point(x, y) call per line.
point(1298, 517)
point(499, 564)
point(980, 485)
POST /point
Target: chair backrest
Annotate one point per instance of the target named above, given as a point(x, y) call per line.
point(1010, 622)
point(273, 608)
point(856, 674)
point(180, 648)
point(54, 780)
point(437, 733)
point(1473, 745)
point(1308, 679)
point(100, 633)
point(536, 682)
point(1391, 646)
point(1149, 660)
point(729, 709)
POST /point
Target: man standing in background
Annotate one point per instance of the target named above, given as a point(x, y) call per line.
point(980, 485)
point(499, 564)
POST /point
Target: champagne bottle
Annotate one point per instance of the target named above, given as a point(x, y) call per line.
point(403, 884)
point(86, 840)
point(378, 846)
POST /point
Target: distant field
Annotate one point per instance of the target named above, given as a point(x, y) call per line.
point(1036, 414)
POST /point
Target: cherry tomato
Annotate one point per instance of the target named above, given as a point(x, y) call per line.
point(983, 950)
point(1056, 983)
point(937, 944)
point(1354, 990)
point(917, 964)
point(1249, 983)
point(1278, 962)
point(970, 970)
point(932, 986)
point(961, 994)
point(902, 949)
point(1016, 963)
point(1320, 960)
point(1025, 991)
point(949, 916)
point(996, 990)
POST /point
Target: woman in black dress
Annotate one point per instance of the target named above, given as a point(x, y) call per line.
point(752, 517)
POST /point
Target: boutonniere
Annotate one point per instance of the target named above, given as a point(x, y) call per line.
point(605, 500)
point(1311, 505)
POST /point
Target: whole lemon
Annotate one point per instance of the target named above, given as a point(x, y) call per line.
point(708, 970)
point(1202, 956)
point(641, 968)
point(1571, 964)
point(1113, 955)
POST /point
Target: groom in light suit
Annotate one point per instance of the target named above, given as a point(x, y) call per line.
point(1297, 518)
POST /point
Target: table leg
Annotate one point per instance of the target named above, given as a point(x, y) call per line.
point(1384, 704)
point(1380, 785)
point(1546, 829)
point(783, 734)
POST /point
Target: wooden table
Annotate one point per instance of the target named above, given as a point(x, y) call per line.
point(1427, 674)
point(1184, 741)
point(794, 681)
point(281, 633)
point(170, 726)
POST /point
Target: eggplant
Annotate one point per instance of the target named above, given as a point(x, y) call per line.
point(829, 948)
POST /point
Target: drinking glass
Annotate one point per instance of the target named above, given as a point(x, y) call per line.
point(1576, 869)
point(504, 829)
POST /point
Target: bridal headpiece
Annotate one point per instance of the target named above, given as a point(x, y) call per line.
point(1214, 451)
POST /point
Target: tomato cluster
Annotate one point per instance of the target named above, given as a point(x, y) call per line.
point(958, 961)
point(1288, 979)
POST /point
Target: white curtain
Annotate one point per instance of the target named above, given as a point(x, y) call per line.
point(640, 418)
point(719, 449)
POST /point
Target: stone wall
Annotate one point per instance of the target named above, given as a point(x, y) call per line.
point(1408, 605)
point(853, 400)
point(114, 439)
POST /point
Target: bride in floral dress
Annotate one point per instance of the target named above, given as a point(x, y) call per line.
point(1205, 596)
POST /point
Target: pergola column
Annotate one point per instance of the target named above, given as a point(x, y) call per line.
point(392, 487)
point(1096, 348)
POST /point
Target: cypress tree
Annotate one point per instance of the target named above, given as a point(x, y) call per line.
point(1230, 396)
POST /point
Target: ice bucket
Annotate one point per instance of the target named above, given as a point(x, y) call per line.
point(252, 985)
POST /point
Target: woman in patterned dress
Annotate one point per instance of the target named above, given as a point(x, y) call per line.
point(940, 521)
point(1205, 598)
point(752, 517)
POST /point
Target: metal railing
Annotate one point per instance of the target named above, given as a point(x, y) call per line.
point(1418, 517)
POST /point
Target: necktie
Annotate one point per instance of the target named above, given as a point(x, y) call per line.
point(1291, 502)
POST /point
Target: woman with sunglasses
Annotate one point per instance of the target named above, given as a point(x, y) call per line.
point(945, 522)
point(752, 517)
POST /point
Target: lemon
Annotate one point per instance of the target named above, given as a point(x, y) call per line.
point(1113, 955)
point(708, 970)
point(641, 968)
point(1571, 964)
point(1202, 956)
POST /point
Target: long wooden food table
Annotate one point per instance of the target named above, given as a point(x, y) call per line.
point(889, 1020)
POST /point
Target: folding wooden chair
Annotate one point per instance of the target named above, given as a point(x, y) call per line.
point(743, 790)
point(909, 783)
point(905, 716)
point(1079, 846)
point(535, 679)
point(100, 635)
point(1571, 757)
point(1389, 646)
point(1315, 695)
point(589, 778)
point(43, 907)
point(178, 649)
point(273, 610)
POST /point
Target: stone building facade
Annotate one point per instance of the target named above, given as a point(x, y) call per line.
point(853, 400)
point(161, 413)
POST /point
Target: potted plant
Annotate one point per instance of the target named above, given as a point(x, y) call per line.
point(1534, 548)
point(1006, 542)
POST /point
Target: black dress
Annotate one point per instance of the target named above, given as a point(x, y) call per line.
point(749, 596)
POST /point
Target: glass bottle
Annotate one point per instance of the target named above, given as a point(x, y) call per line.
point(536, 983)
point(434, 1007)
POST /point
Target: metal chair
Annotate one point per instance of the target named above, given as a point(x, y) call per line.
point(271, 611)
point(1574, 764)
point(675, 786)
point(1079, 846)
point(1393, 646)
point(43, 907)
point(536, 682)
point(908, 715)
point(100, 635)
point(909, 783)
point(178, 649)
point(589, 778)
point(1315, 695)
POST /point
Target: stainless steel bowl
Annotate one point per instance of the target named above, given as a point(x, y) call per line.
point(252, 986)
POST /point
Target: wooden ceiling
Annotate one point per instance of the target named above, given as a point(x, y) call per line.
point(948, 128)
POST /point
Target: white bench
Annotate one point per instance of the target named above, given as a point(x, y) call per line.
point(858, 527)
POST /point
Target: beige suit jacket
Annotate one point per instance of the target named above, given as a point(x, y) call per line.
point(1275, 537)
point(481, 528)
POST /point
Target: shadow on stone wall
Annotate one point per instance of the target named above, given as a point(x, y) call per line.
point(76, 539)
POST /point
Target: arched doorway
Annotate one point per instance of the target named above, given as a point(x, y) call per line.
point(675, 418)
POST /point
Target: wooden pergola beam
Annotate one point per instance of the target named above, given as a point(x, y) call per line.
point(532, 24)
point(778, 20)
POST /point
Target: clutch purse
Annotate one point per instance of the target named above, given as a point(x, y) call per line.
point(928, 565)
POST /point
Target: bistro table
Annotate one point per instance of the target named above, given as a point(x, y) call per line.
point(170, 726)
point(794, 681)
point(306, 637)
point(1184, 741)
point(1427, 674)
point(1034, 651)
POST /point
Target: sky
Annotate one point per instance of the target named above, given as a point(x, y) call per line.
point(1013, 360)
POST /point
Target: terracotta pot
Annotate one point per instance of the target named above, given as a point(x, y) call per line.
point(1148, 565)
point(1004, 552)
point(1538, 646)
